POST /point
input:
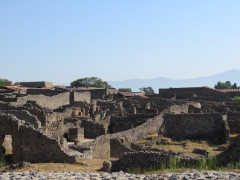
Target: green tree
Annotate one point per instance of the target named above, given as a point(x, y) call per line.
point(5, 82)
point(225, 85)
point(125, 89)
point(90, 82)
point(234, 86)
point(147, 90)
point(222, 85)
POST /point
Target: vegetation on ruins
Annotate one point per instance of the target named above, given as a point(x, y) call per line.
point(176, 164)
point(2, 160)
point(225, 85)
point(5, 82)
point(147, 90)
point(237, 98)
point(90, 82)
point(125, 89)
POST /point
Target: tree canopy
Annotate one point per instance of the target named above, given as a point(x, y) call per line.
point(225, 85)
point(125, 89)
point(90, 82)
point(5, 82)
point(147, 90)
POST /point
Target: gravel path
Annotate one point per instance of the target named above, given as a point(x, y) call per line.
point(186, 175)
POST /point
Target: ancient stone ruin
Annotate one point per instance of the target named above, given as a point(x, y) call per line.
point(42, 123)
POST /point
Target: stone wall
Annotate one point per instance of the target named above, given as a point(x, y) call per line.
point(49, 102)
point(82, 96)
point(93, 130)
point(46, 92)
point(199, 91)
point(26, 116)
point(231, 154)
point(117, 148)
point(100, 148)
point(29, 144)
point(233, 119)
point(118, 124)
point(140, 159)
point(196, 126)
point(130, 136)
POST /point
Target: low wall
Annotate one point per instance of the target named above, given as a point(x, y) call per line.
point(140, 159)
point(152, 125)
point(196, 126)
point(233, 119)
point(118, 124)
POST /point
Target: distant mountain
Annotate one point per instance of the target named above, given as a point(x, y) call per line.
point(162, 82)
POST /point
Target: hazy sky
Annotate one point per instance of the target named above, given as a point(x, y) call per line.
point(61, 41)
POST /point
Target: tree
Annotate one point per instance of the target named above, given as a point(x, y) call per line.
point(234, 86)
point(225, 85)
point(147, 90)
point(5, 82)
point(125, 89)
point(90, 82)
point(222, 85)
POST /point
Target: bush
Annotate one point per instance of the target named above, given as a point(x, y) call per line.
point(237, 98)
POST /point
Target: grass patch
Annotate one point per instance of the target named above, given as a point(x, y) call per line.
point(237, 98)
point(179, 146)
point(2, 160)
point(175, 164)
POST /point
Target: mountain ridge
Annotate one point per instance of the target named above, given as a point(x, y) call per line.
point(163, 82)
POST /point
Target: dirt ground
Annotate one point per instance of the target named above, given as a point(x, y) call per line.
point(90, 165)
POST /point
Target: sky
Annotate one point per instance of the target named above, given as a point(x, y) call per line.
point(61, 41)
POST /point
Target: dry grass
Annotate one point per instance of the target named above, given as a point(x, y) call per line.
point(95, 165)
point(188, 146)
point(185, 146)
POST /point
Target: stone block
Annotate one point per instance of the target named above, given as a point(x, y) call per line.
point(76, 133)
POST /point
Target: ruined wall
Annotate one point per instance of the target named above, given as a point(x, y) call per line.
point(196, 126)
point(117, 148)
point(127, 137)
point(93, 130)
point(118, 124)
point(31, 145)
point(140, 159)
point(37, 147)
point(82, 96)
point(49, 102)
point(26, 116)
point(111, 91)
point(233, 119)
point(46, 92)
point(231, 154)
point(199, 91)
point(100, 148)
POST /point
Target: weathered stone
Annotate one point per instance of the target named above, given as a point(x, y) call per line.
point(107, 165)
